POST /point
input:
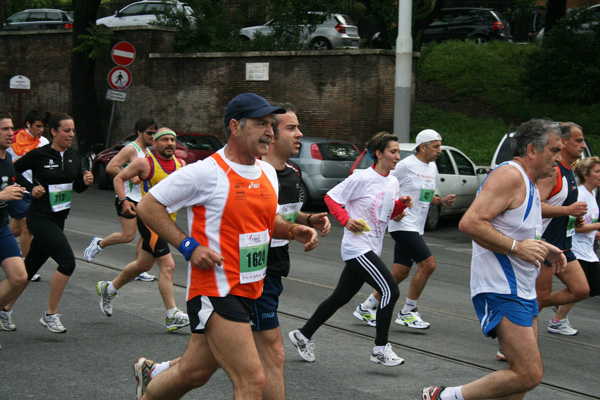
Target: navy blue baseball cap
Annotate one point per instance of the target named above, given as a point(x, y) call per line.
point(249, 105)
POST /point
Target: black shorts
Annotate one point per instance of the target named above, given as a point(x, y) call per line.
point(151, 242)
point(592, 273)
point(409, 246)
point(230, 307)
point(119, 207)
point(265, 307)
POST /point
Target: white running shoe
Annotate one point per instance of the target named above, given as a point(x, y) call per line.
point(35, 278)
point(105, 298)
point(412, 320)
point(306, 348)
point(562, 327)
point(500, 355)
point(141, 370)
point(6, 322)
point(92, 250)
point(52, 322)
point(369, 316)
point(386, 357)
point(145, 277)
point(179, 320)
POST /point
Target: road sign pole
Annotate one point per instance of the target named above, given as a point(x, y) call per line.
point(112, 112)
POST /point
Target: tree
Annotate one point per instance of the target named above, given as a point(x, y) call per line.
point(83, 65)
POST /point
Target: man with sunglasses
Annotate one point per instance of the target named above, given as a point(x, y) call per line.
point(145, 128)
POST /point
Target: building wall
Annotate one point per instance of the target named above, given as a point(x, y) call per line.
point(340, 94)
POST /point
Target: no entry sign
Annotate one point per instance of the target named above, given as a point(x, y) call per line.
point(123, 53)
point(119, 78)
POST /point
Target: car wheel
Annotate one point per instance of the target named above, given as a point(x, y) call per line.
point(102, 177)
point(433, 218)
point(304, 197)
point(320, 44)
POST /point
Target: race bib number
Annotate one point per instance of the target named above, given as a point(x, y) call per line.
point(289, 212)
point(571, 226)
point(60, 196)
point(254, 248)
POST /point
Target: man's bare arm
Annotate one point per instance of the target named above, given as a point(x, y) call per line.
point(127, 155)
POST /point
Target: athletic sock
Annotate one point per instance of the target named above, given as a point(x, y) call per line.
point(172, 312)
point(370, 303)
point(452, 393)
point(409, 305)
point(111, 289)
point(158, 368)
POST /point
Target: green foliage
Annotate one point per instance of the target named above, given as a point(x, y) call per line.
point(477, 138)
point(566, 67)
point(97, 40)
point(493, 74)
point(14, 6)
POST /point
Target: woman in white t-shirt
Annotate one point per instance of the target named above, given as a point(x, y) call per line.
point(364, 204)
point(587, 171)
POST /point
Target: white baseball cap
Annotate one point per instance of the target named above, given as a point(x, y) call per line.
point(426, 136)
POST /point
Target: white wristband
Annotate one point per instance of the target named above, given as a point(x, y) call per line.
point(512, 248)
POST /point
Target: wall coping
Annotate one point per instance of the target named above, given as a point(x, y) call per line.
point(297, 53)
point(70, 31)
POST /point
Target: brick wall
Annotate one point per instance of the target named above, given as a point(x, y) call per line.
point(339, 94)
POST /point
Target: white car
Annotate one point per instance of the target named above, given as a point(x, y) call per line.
point(145, 13)
point(457, 174)
point(336, 31)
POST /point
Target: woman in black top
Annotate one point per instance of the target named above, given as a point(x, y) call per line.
point(56, 173)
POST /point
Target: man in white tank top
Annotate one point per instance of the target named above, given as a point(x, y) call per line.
point(505, 223)
point(145, 128)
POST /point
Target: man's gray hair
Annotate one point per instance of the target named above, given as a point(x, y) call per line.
point(534, 131)
point(227, 130)
point(566, 127)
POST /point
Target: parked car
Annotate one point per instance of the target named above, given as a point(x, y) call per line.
point(146, 12)
point(479, 24)
point(593, 18)
point(191, 147)
point(324, 163)
point(39, 19)
point(456, 174)
point(504, 151)
point(336, 31)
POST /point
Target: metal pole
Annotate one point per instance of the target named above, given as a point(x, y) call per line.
point(112, 112)
point(404, 50)
point(19, 121)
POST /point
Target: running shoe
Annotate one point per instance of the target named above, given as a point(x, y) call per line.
point(412, 320)
point(52, 322)
point(562, 327)
point(35, 278)
point(369, 316)
point(145, 277)
point(179, 320)
point(6, 322)
point(386, 357)
point(432, 392)
point(105, 298)
point(141, 370)
point(500, 355)
point(93, 249)
point(306, 348)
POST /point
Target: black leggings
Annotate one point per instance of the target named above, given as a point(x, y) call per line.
point(366, 268)
point(48, 241)
point(592, 273)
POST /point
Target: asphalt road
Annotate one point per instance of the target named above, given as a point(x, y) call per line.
point(94, 358)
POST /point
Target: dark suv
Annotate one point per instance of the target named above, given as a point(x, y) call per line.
point(479, 24)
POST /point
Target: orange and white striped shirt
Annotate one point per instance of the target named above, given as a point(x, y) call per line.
point(231, 209)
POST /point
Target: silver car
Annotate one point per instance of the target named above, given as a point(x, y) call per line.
point(39, 19)
point(337, 31)
point(324, 163)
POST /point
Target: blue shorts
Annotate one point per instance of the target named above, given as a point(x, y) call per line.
point(265, 307)
point(409, 246)
point(492, 307)
point(570, 256)
point(231, 307)
point(8, 245)
point(17, 209)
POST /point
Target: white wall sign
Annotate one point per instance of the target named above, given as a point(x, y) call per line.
point(20, 82)
point(257, 71)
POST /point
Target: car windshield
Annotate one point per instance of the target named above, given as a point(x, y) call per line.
point(196, 142)
point(505, 153)
point(336, 151)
